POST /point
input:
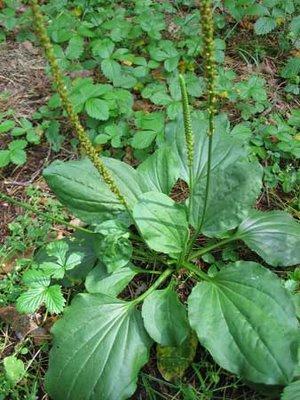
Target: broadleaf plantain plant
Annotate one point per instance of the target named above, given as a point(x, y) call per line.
point(241, 314)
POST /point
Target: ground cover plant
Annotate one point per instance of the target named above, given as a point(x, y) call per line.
point(240, 311)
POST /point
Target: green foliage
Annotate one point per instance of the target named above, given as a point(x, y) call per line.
point(14, 369)
point(165, 318)
point(95, 328)
point(15, 152)
point(242, 313)
point(229, 297)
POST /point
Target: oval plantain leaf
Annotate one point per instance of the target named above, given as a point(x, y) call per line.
point(165, 317)
point(274, 235)
point(100, 281)
point(78, 186)
point(235, 182)
point(162, 222)
point(233, 191)
point(246, 320)
point(172, 362)
point(161, 170)
point(127, 179)
point(99, 347)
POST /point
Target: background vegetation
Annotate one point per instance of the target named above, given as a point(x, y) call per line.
point(121, 61)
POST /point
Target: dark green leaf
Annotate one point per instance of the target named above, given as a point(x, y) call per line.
point(161, 170)
point(246, 320)
point(162, 222)
point(100, 281)
point(99, 347)
point(78, 185)
point(165, 318)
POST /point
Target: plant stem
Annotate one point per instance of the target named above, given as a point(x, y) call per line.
point(156, 284)
point(195, 270)
point(210, 76)
point(42, 214)
point(207, 249)
point(146, 271)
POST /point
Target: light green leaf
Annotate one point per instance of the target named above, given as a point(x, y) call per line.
point(264, 25)
point(172, 362)
point(14, 369)
point(165, 318)
point(111, 69)
point(34, 278)
point(274, 235)
point(162, 222)
point(246, 319)
point(18, 156)
point(75, 47)
point(6, 126)
point(291, 392)
point(4, 158)
point(143, 139)
point(103, 47)
point(100, 281)
point(161, 170)
point(78, 185)
point(31, 300)
point(54, 299)
point(99, 347)
point(97, 108)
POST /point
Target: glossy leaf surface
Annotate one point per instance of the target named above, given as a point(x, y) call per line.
point(165, 317)
point(162, 222)
point(99, 347)
point(274, 235)
point(246, 320)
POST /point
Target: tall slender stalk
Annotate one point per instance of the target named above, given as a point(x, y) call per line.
point(188, 130)
point(210, 76)
point(83, 138)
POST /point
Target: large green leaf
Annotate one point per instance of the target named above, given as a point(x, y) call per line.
point(99, 347)
point(112, 284)
point(165, 317)
point(233, 191)
point(235, 183)
point(78, 185)
point(246, 320)
point(127, 179)
point(274, 235)
point(161, 170)
point(162, 222)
